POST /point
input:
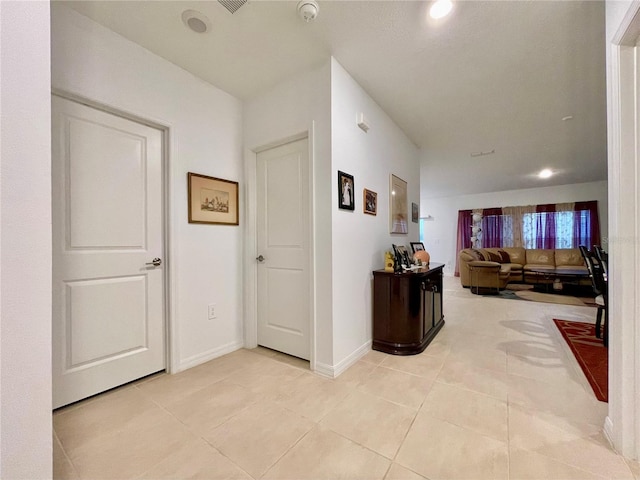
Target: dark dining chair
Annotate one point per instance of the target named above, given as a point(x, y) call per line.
point(603, 260)
point(597, 270)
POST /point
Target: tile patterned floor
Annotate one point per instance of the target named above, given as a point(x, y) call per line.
point(497, 395)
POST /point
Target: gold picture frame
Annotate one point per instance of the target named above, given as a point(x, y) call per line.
point(370, 202)
point(212, 200)
point(398, 208)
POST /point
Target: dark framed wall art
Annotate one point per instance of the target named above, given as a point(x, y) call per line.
point(346, 199)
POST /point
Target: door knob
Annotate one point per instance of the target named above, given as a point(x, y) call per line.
point(260, 258)
point(154, 263)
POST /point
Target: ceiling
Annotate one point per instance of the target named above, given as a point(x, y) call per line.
point(497, 75)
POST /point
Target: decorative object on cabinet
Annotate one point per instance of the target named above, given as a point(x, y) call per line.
point(212, 200)
point(407, 309)
point(415, 212)
point(389, 262)
point(370, 202)
point(398, 205)
point(422, 257)
point(402, 257)
point(346, 200)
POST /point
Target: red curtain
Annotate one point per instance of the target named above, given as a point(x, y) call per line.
point(464, 235)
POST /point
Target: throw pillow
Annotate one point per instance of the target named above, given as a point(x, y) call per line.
point(494, 257)
point(504, 256)
point(479, 254)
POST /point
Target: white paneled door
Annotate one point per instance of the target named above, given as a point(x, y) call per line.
point(283, 248)
point(108, 307)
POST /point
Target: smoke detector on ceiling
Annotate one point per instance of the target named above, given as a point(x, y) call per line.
point(308, 10)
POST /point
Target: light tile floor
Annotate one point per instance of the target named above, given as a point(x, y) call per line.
point(497, 395)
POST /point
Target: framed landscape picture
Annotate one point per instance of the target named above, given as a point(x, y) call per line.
point(370, 202)
point(345, 191)
point(212, 200)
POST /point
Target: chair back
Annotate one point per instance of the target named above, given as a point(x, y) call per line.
point(596, 271)
point(603, 260)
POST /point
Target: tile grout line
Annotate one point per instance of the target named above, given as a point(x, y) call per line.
point(64, 452)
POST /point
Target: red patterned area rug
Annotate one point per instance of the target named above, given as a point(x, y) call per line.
point(590, 354)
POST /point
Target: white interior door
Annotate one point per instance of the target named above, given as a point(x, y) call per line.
point(108, 307)
point(283, 242)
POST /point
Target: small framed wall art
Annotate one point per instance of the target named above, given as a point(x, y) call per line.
point(345, 191)
point(370, 202)
point(415, 212)
point(212, 200)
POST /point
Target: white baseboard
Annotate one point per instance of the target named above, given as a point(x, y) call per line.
point(608, 431)
point(324, 370)
point(332, 371)
point(208, 355)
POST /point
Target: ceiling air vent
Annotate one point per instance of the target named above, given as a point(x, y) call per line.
point(232, 5)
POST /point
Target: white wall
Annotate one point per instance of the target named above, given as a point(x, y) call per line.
point(440, 233)
point(360, 240)
point(302, 104)
point(25, 242)
point(205, 137)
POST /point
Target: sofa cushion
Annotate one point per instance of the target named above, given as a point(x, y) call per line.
point(516, 255)
point(569, 257)
point(541, 257)
point(515, 267)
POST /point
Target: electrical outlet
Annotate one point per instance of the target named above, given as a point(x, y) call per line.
point(212, 311)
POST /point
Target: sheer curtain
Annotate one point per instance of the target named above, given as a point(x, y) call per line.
point(565, 213)
point(514, 224)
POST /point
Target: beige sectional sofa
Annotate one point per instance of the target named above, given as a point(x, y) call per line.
point(514, 264)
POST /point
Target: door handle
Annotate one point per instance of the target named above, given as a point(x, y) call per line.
point(260, 258)
point(156, 262)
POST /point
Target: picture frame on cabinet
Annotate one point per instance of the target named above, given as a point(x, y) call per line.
point(416, 246)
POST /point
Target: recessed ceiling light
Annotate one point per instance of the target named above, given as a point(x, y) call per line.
point(440, 8)
point(196, 21)
point(546, 173)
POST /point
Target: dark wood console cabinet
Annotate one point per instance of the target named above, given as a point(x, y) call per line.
point(407, 309)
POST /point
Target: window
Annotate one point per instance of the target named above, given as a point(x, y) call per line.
point(568, 229)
